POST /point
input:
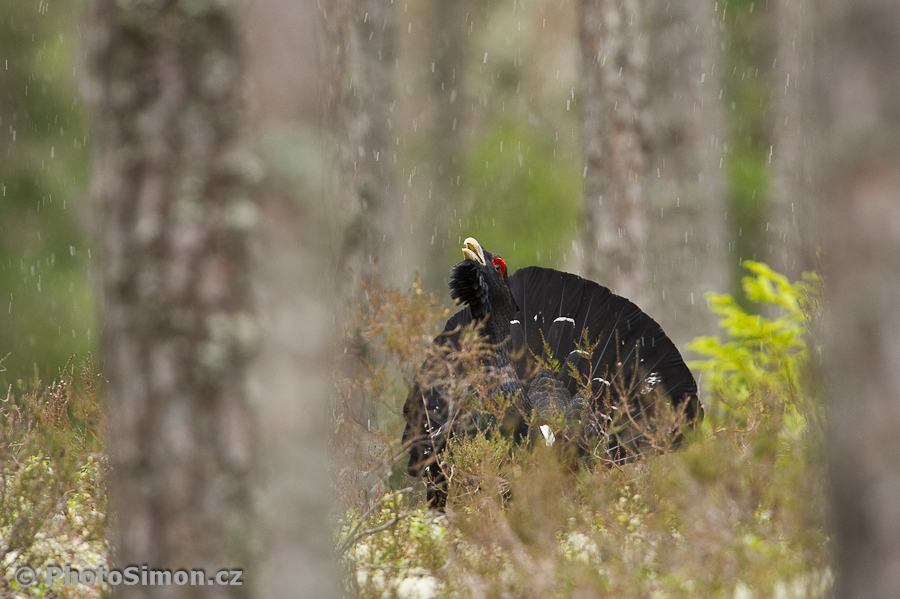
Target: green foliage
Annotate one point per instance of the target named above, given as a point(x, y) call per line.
point(736, 511)
point(760, 356)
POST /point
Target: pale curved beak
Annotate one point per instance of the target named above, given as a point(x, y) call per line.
point(472, 251)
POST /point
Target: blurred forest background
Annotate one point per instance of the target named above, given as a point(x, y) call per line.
point(480, 128)
point(49, 311)
point(271, 175)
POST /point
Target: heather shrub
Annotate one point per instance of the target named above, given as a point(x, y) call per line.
point(52, 480)
point(737, 510)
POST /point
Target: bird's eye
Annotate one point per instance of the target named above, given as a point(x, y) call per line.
point(499, 266)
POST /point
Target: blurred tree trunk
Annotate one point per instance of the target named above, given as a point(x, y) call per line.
point(296, 275)
point(358, 73)
point(366, 114)
point(449, 24)
point(613, 131)
point(858, 124)
point(787, 251)
point(686, 220)
point(179, 325)
point(653, 191)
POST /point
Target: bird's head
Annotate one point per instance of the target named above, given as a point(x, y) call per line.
point(480, 281)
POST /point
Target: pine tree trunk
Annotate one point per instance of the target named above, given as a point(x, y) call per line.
point(295, 277)
point(686, 220)
point(372, 237)
point(857, 85)
point(613, 103)
point(654, 198)
point(449, 24)
point(179, 325)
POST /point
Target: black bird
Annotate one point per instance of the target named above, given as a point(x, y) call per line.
point(613, 363)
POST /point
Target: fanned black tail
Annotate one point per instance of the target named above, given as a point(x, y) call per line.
point(600, 340)
point(630, 348)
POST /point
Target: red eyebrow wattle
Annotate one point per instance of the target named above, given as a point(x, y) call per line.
point(502, 264)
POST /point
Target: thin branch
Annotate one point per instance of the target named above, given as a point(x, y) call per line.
point(352, 537)
point(353, 540)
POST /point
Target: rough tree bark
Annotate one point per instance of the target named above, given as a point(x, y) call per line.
point(858, 127)
point(613, 131)
point(653, 194)
point(686, 194)
point(179, 323)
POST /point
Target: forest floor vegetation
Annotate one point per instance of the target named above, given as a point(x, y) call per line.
point(738, 510)
point(53, 500)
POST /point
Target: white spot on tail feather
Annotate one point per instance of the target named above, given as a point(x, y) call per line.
point(549, 437)
point(650, 383)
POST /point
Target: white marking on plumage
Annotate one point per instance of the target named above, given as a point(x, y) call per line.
point(549, 437)
point(650, 382)
point(564, 319)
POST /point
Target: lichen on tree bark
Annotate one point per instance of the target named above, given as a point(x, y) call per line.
point(169, 182)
